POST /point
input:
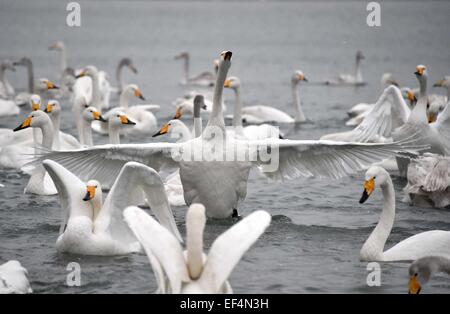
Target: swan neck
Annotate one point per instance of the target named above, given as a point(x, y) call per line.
point(299, 114)
point(86, 134)
point(114, 134)
point(96, 92)
point(47, 135)
point(56, 121)
point(419, 113)
point(377, 239)
point(119, 76)
point(186, 68)
point(358, 74)
point(198, 128)
point(124, 100)
point(237, 117)
point(216, 116)
point(194, 245)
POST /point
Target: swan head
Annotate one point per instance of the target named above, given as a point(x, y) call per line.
point(421, 71)
point(225, 60)
point(57, 45)
point(53, 107)
point(445, 82)
point(92, 114)
point(409, 95)
point(132, 90)
point(433, 110)
point(129, 64)
point(182, 55)
point(118, 119)
point(172, 127)
point(420, 272)
point(8, 65)
point(22, 62)
point(388, 79)
point(36, 119)
point(374, 173)
point(90, 71)
point(47, 84)
point(93, 190)
point(359, 55)
point(35, 102)
point(298, 76)
point(232, 82)
point(199, 103)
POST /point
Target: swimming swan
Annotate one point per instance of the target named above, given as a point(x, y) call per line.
point(422, 269)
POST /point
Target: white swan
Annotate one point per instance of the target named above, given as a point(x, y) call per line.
point(202, 79)
point(13, 278)
point(61, 140)
point(89, 115)
point(192, 271)
point(260, 114)
point(349, 79)
point(39, 182)
point(251, 132)
point(124, 62)
point(421, 270)
point(115, 122)
point(435, 242)
point(142, 115)
point(61, 48)
point(91, 227)
point(89, 88)
point(6, 89)
point(23, 98)
point(218, 182)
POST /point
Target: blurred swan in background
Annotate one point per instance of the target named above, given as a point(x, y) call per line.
point(13, 278)
point(124, 62)
point(202, 79)
point(350, 79)
point(193, 271)
point(91, 227)
point(6, 89)
point(421, 270)
point(435, 242)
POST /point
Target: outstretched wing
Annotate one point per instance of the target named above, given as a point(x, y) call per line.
point(229, 247)
point(103, 163)
point(160, 245)
point(134, 180)
point(71, 191)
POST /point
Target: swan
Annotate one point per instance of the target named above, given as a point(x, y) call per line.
point(89, 115)
point(6, 89)
point(39, 182)
point(142, 115)
point(91, 227)
point(124, 62)
point(115, 122)
point(349, 79)
point(61, 140)
point(435, 242)
point(386, 80)
point(421, 270)
point(202, 79)
point(262, 114)
point(192, 271)
point(105, 88)
point(22, 98)
point(89, 87)
point(210, 172)
point(251, 132)
point(61, 49)
point(13, 278)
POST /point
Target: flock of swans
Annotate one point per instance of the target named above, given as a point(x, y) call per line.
point(405, 131)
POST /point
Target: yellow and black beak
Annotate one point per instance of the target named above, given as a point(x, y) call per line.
point(419, 71)
point(35, 106)
point(138, 94)
point(432, 117)
point(98, 116)
point(414, 285)
point(51, 85)
point(49, 108)
point(90, 193)
point(164, 129)
point(124, 120)
point(227, 55)
point(411, 97)
point(439, 83)
point(227, 84)
point(25, 124)
point(177, 114)
point(81, 74)
point(369, 186)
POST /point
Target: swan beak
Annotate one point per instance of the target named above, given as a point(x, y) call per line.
point(164, 129)
point(124, 120)
point(439, 83)
point(227, 84)
point(98, 116)
point(305, 79)
point(369, 186)
point(132, 68)
point(419, 71)
point(50, 85)
point(81, 74)
point(138, 94)
point(414, 285)
point(90, 193)
point(48, 109)
point(35, 106)
point(411, 97)
point(226, 55)
point(177, 114)
point(432, 117)
point(204, 107)
point(25, 124)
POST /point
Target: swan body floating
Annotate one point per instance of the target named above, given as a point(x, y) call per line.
point(218, 184)
point(262, 114)
point(435, 242)
point(192, 271)
point(91, 227)
point(13, 278)
point(203, 79)
point(421, 270)
point(349, 79)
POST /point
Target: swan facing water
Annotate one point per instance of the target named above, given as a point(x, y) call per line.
point(435, 242)
point(193, 271)
point(421, 270)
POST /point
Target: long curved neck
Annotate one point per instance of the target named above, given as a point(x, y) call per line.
point(114, 134)
point(30, 71)
point(124, 100)
point(198, 127)
point(47, 135)
point(97, 205)
point(299, 115)
point(237, 117)
point(78, 112)
point(119, 76)
point(419, 113)
point(374, 245)
point(186, 68)
point(96, 98)
point(194, 245)
point(216, 116)
point(358, 74)
point(56, 120)
point(86, 133)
